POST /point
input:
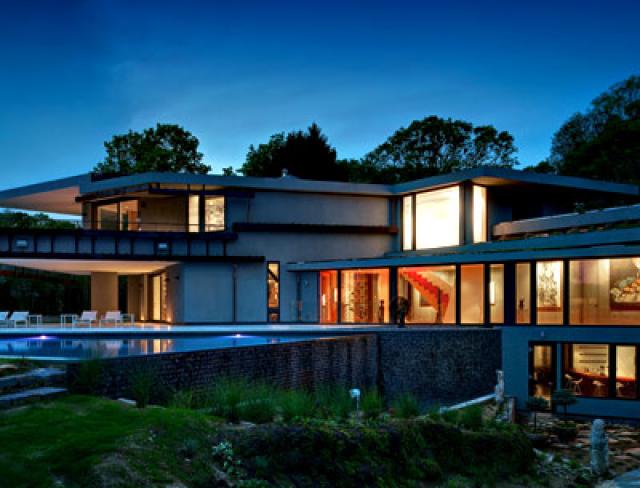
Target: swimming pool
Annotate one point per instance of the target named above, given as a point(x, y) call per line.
point(67, 348)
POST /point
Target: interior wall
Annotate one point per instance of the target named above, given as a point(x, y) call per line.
point(104, 292)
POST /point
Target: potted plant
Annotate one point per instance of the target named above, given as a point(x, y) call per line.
point(565, 430)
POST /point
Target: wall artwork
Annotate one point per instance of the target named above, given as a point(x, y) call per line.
point(549, 286)
point(624, 279)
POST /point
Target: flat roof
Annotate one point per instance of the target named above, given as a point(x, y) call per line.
point(59, 196)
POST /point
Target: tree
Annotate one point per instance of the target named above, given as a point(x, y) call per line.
point(303, 154)
point(22, 220)
point(603, 141)
point(165, 148)
point(543, 166)
point(563, 398)
point(433, 146)
point(536, 404)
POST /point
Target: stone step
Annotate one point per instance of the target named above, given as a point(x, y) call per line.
point(40, 376)
point(29, 396)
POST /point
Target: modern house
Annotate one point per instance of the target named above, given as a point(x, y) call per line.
point(482, 247)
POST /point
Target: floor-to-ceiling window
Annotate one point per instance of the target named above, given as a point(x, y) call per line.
point(542, 374)
point(585, 369)
point(106, 217)
point(365, 295)
point(213, 214)
point(523, 293)
point(438, 218)
point(273, 291)
point(159, 297)
point(472, 294)
point(496, 293)
point(430, 292)
point(479, 213)
point(549, 292)
point(194, 214)
point(407, 223)
point(328, 297)
point(605, 291)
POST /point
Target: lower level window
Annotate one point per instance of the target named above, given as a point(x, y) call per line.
point(585, 369)
point(273, 292)
point(328, 297)
point(365, 296)
point(626, 372)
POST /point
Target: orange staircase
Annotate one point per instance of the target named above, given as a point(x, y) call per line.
point(432, 290)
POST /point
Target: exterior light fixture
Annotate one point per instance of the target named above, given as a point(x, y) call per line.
point(163, 247)
point(355, 395)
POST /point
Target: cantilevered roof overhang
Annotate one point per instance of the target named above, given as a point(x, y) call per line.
point(55, 196)
point(88, 266)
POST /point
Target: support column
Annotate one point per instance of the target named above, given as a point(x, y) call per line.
point(104, 292)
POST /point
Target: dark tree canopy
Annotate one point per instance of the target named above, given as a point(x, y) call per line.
point(165, 148)
point(22, 220)
point(305, 154)
point(433, 146)
point(604, 142)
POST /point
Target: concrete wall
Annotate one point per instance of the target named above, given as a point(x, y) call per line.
point(104, 292)
point(347, 361)
point(439, 364)
point(515, 358)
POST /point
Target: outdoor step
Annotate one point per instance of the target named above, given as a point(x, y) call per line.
point(40, 376)
point(29, 396)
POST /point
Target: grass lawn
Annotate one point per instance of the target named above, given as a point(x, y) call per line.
point(63, 440)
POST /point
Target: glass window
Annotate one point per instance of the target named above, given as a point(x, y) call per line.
point(129, 215)
point(213, 214)
point(430, 292)
point(496, 293)
point(365, 296)
point(472, 294)
point(550, 283)
point(273, 291)
point(605, 291)
point(479, 213)
point(626, 372)
point(407, 223)
point(438, 218)
point(542, 374)
point(585, 369)
point(328, 297)
point(194, 213)
point(107, 217)
point(523, 293)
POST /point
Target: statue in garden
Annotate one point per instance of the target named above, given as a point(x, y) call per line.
point(599, 448)
point(499, 390)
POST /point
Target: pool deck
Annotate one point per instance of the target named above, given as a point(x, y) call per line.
point(163, 330)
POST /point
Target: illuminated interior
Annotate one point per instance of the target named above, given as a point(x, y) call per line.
point(496, 293)
point(549, 292)
point(479, 214)
point(407, 223)
point(523, 293)
point(365, 296)
point(472, 294)
point(438, 218)
point(430, 292)
point(328, 297)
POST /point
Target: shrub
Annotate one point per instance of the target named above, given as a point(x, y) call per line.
point(257, 410)
point(371, 404)
point(405, 406)
point(296, 404)
point(225, 396)
point(432, 470)
point(471, 417)
point(143, 382)
point(333, 402)
point(536, 404)
point(87, 377)
point(450, 416)
point(563, 398)
point(182, 399)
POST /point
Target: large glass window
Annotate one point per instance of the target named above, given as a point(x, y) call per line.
point(431, 294)
point(542, 373)
point(523, 293)
point(605, 291)
point(213, 214)
point(129, 215)
point(438, 218)
point(407, 223)
point(626, 372)
point(328, 297)
point(496, 293)
point(585, 369)
point(472, 294)
point(549, 292)
point(365, 296)
point(107, 217)
point(479, 213)
point(194, 213)
point(273, 292)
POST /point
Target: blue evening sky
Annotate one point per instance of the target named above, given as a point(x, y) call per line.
point(73, 73)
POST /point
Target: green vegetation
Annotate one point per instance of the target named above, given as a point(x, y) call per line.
point(405, 406)
point(86, 441)
point(535, 405)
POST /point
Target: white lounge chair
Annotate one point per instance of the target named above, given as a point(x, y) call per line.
point(112, 317)
point(4, 318)
point(19, 318)
point(88, 317)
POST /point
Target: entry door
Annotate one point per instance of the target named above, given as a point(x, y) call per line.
point(542, 370)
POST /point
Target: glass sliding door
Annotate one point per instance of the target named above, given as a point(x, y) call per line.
point(523, 293)
point(365, 296)
point(585, 369)
point(626, 368)
point(549, 292)
point(107, 217)
point(430, 292)
point(328, 297)
point(542, 370)
point(472, 294)
point(158, 297)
